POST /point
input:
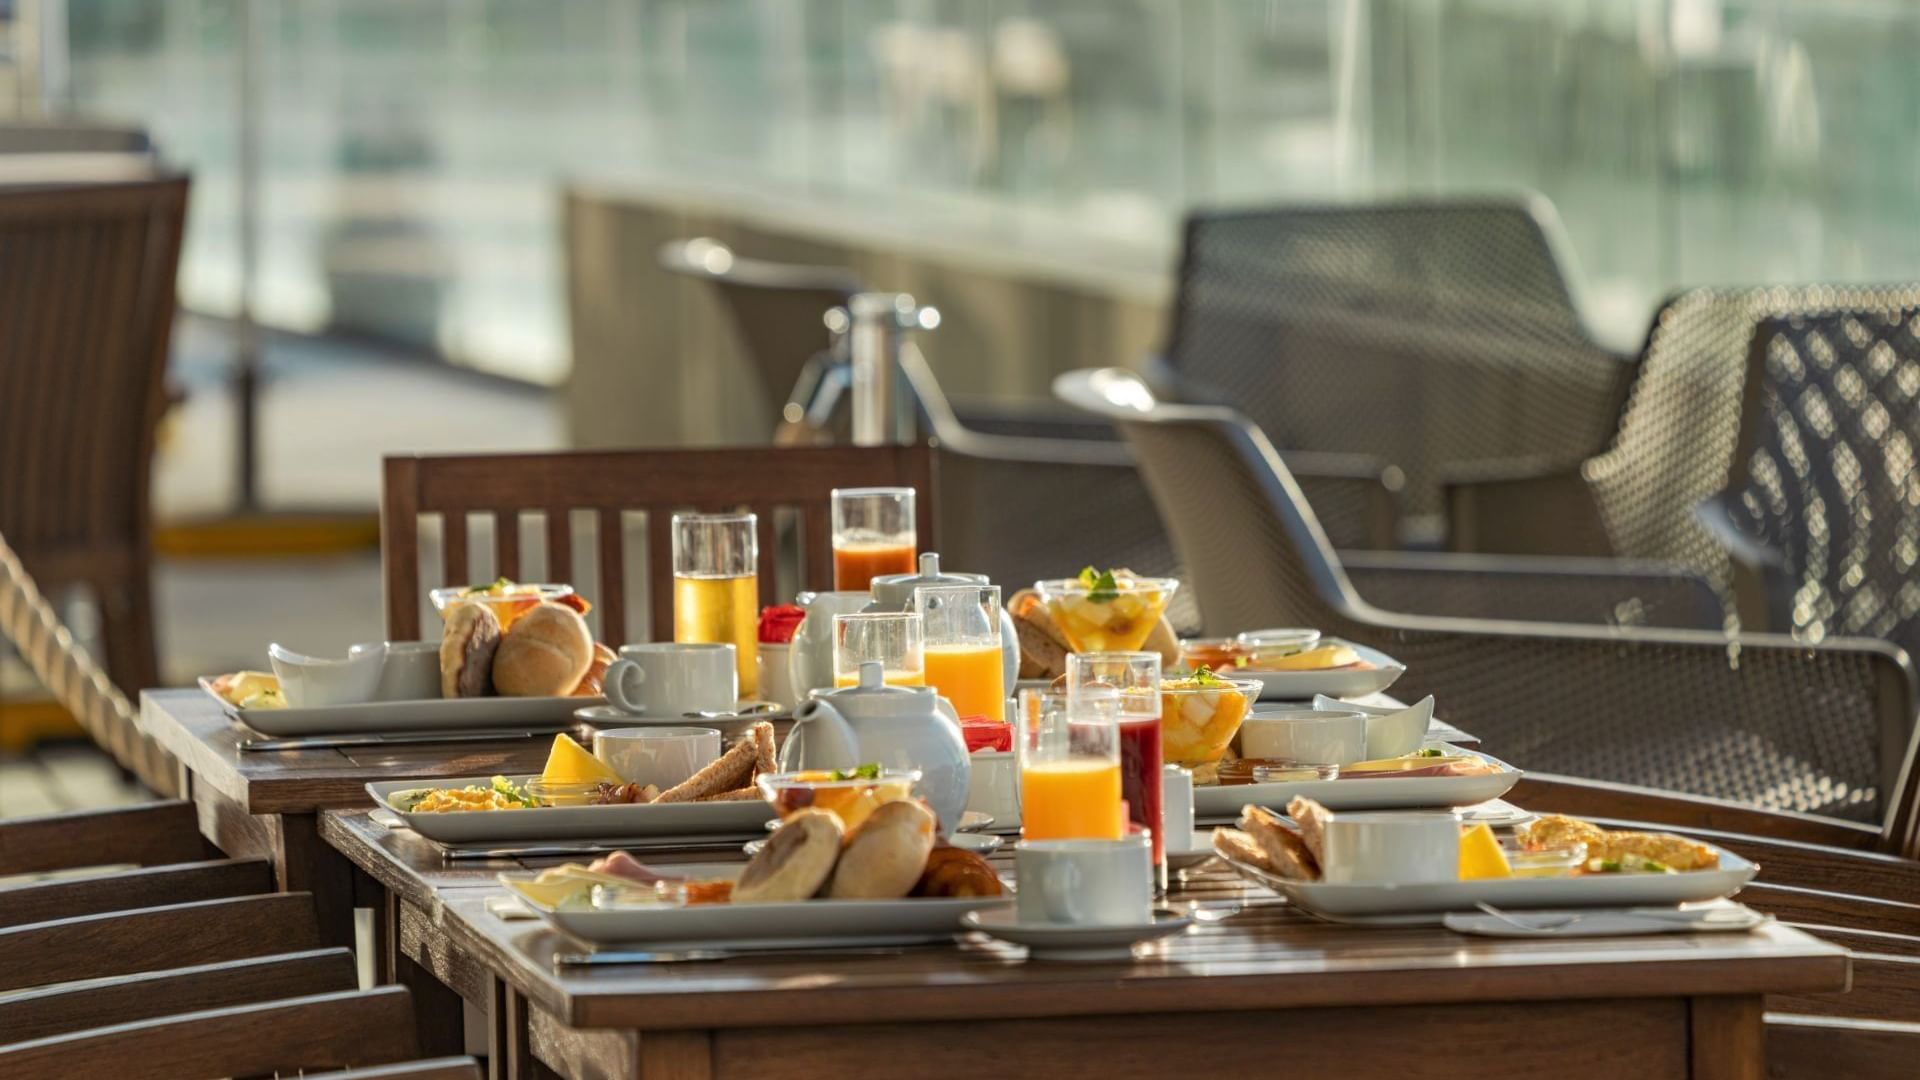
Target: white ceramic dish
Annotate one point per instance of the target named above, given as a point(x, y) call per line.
point(806, 922)
point(1384, 793)
point(1358, 900)
point(387, 717)
point(1392, 730)
point(1073, 942)
point(1340, 683)
point(568, 822)
point(314, 682)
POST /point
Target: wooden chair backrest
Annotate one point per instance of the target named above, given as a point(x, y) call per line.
point(154, 938)
point(609, 484)
point(76, 682)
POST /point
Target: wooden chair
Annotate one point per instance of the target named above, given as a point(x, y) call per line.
point(608, 484)
point(86, 310)
point(76, 682)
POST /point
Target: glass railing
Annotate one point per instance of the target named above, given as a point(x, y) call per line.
point(412, 153)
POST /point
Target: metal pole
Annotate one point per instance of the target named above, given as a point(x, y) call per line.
point(246, 387)
point(878, 324)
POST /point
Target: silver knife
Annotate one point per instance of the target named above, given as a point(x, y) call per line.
point(603, 847)
point(682, 956)
point(410, 738)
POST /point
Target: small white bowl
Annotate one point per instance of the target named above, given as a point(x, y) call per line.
point(1319, 737)
point(308, 682)
point(1392, 730)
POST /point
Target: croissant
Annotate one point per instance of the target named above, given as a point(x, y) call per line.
point(955, 872)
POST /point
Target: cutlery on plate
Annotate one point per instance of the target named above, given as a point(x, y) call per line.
point(681, 956)
point(1192, 909)
point(1553, 922)
point(601, 847)
point(412, 738)
point(757, 708)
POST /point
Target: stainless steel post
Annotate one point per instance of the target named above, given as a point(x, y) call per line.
point(877, 325)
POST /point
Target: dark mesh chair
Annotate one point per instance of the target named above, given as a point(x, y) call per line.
point(1762, 719)
point(1822, 513)
point(1427, 335)
point(1674, 446)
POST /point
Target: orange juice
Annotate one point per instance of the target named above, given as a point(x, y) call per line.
point(970, 676)
point(856, 564)
point(890, 676)
point(722, 609)
point(1070, 800)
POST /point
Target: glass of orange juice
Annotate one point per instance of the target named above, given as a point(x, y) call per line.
point(1069, 754)
point(716, 587)
point(894, 638)
point(873, 535)
point(963, 647)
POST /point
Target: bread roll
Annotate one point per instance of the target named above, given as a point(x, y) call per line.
point(887, 854)
point(952, 871)
point(545, 654)
point(795, 862)
point(468, 642)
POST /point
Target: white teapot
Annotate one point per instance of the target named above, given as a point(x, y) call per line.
point(894, 592)
point(898, 727)
point(810, 659)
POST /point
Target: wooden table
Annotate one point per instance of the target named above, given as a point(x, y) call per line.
point(1269, 991)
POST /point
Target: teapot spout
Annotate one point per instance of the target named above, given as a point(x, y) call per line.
point(821, 739)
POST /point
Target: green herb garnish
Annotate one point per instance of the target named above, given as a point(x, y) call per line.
point(1430, 751)
point(513, 792)
point(496, 583)
point(1205, 677)
point(869, 771)
point(1101, 586)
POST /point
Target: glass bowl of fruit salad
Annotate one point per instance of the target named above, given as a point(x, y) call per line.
point(1106, 610)
point(1201, 713)
point(851, 793)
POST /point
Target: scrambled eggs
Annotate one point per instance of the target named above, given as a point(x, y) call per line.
point(503, 794)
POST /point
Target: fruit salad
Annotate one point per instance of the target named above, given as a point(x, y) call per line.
point(1200, 714)
point(1106, 610)
point(854, 794)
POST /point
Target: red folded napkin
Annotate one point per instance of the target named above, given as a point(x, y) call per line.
point(780, 622)
point(983, 733)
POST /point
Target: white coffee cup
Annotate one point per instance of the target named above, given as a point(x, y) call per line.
point(1085, 882)
point(662, 756)
point(1176, 806)
point(1403, 848)
point(993, 787)
point(671, 678)
point(1317, 736)
point(409, 670)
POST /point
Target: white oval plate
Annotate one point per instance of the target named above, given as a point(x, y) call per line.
point(1339, 682)
point(568, 822)
point(1384, 793)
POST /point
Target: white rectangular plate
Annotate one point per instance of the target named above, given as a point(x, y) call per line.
point(385, 717)
point(1350, 901)
point(807, 922)
point(1385, 793)
point(570, 822)
point(1340, 683)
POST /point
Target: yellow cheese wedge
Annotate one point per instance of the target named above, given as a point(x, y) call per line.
point(570, 763)
point(1326, 656)
point(1480, 855)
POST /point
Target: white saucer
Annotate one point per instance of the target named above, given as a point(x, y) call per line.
point(1201, 851)
point(978, 843)
point(1059, 941)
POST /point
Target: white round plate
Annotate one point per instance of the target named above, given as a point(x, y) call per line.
point(978, 843)
point(1059, 941)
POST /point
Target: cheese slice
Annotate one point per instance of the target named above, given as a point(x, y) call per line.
point(1320, 659)
point(1480, 855)
point(570, 763)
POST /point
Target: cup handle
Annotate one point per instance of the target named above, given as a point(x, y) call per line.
point(615, 685)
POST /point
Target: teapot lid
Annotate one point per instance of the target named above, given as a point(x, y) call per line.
point(896, 590)
point(872, 696)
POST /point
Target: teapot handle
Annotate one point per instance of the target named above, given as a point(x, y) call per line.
point(821, 739)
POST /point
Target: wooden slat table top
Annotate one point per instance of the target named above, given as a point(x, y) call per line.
point(1267, 956)
point(194, 728)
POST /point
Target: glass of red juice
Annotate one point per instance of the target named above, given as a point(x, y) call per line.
point(1140, 785)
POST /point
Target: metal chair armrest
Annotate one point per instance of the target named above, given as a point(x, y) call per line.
point(1697, 814)
point(1715, 514)
point(1609, 592)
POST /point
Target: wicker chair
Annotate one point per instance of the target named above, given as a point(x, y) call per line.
point(1686, 711)
point(86, 305)
point(1425, 334)
point(1674, 447)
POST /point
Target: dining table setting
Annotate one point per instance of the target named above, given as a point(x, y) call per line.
point(925, 824)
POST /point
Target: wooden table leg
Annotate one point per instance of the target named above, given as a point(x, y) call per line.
point(310, 864)
point(510, 1039)
point(439, 1014)
point(1728, 1038)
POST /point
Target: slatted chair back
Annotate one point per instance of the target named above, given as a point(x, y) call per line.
point(86, 310)
point(1425, 334)
point(136, 940)
point(29, 622)
point(587, 496)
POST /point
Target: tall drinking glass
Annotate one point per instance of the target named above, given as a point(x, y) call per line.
point(1069, 755)
point(1135, 678)
point(873, 535)
point(894, 638)
point(963, 647)
point(716, 587)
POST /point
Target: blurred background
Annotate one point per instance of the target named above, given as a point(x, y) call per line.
point(439, 224)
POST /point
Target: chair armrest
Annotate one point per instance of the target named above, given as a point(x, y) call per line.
point(1715, 514)
point(1696, 814)
point(1527, 507)
point(1607, 592)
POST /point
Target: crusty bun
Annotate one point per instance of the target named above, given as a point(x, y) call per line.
point(545, 654)
point(468, 641)
point(956, 872)
point(592, 684)
point(796, 861)
point(887, 853)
